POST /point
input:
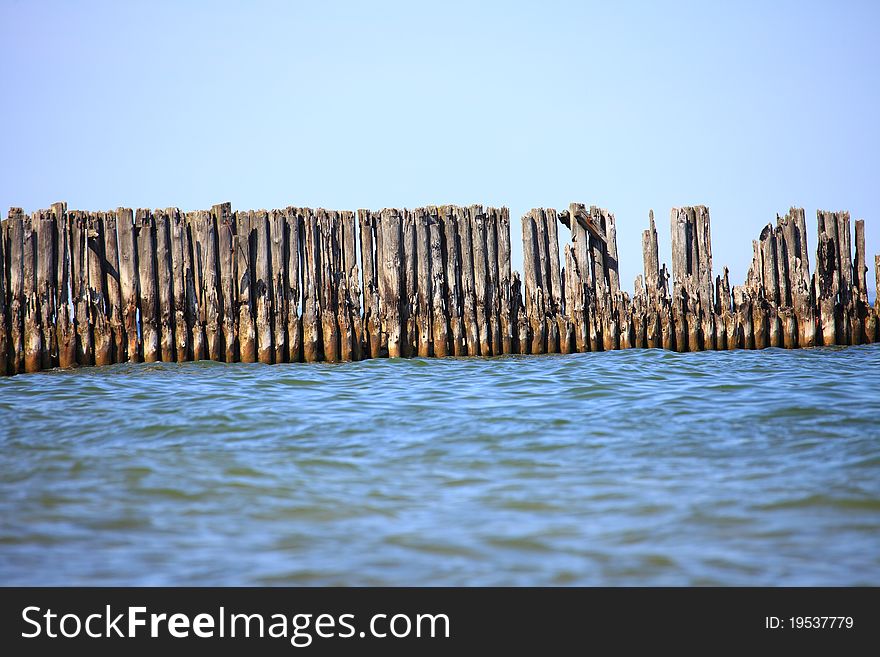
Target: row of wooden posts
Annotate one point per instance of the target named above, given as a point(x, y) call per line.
point(292, 285)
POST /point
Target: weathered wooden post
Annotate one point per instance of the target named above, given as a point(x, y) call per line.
point(478, 238)
point(46, 287)
point(224, 219)
point(468, 281)
point(182, 324)
point(440, 322)
point(165, 286)
point(129, 282)
point(370, 267)
point(294, 279)
point(390, 279)
point(4, 333)
point(148, 302)
point(449, 221)
point(114, 289)
point(245, 277)
point(33, 339)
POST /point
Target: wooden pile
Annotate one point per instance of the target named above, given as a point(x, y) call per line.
point(277, 286)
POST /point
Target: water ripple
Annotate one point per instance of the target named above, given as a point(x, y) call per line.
point(629, 467)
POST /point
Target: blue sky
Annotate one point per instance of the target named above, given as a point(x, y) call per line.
point(745, 107)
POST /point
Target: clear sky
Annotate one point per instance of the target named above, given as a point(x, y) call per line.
point(745, 107)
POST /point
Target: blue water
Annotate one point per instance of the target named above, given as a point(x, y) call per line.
point(621, 468)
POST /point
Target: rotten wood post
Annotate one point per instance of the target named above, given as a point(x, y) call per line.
point(182, 323)
point(209, 298)
point(65, 329)
point(165, 286)
point(311, 320)
point(4, 333)
point(506, 319)
point(390, 265)
point(452, 257)
point(129, 282)
point(328, 289)
point(33, 339)
point(102, 335)
point(294, 281)
point(279, 285)
point(224, 219)
point(113, 287)
point(246, 332)
point(478, 243)
point(148, 298)
point(80, 281)
point(423, 308)
point(827, 279)
point(440, 323)
point(468, 282)
point(192, 283)
point(409, 301)
point(369, 266)
point(650, 258)
point(493, 303)
point(46, 288)
point(534, 299)
point(861, 309)
point(260, 287)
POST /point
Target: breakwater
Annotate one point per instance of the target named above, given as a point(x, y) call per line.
point(301, 284)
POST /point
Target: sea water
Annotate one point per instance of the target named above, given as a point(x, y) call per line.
point(637, 467)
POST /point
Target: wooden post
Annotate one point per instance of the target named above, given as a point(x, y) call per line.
point(294, 280)
point(209, 301)
point(390, 265)
point(553, 288)
point(84, 335)
point(65, 330)
point(875, 331)
point(182, 323)
point(452, 257)
point(279, 291)
point(468, 281)
point(46, 284)
point(533, 295)
point(423, 308)
point(261, 291)
point(33, 339)
point(478, 243)
point(4, 332)
point(192, 283)
point(165, 286)
point(369, 265)
point(827, 279)
point(523, 339)
point(440, 322)
point(94, 255)
point(148, 300)
point(129, 282)
point(639, 314)
point(574, 300)
point(493, 302)
point(348, 224)
point(507, 321)
point(246, 332)
point(872, 322)
point(650, 257)
point(311, 320)
point(224, 219)
point(113, 289)
point(409, 300)
point(328, 292)
point(861, 309)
